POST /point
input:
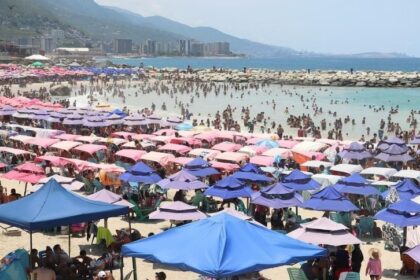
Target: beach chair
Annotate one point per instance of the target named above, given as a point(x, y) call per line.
point(142, 214)
point(296, 274)
point(78, 229)
point(352, 276)
point(240, 206)
point(365, 226)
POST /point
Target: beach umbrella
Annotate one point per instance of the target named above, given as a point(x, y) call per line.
point(329, 199)
point(114, 119)
point(200, 168)
point(299, 181)
point(177, 211)
point(55, 117)
point(172, 121)
point(37, 57)
point(135, 120)
point(386, 143)
point(222, 239)
point(182, 180)
point(267, 143)
point(355, 151)
point(228, 188)
point(355, 184)
point(140, 173)
point(403, 213)
point(68, 183)
point(27, 172)
point(323, 231)
point(414, 253)
point(251, 173)
point(109, 197)
point(394, 153)
point(95, 121)
point(40, 115)
point(73, 119)
point(37, 64)
point(406, 189)
point(184, 126)
point(154, 119)
point(416, 141)
point(277, 196)
point(7, 110)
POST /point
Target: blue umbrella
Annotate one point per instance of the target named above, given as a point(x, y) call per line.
point(184, 126)
point(355, 151)
point(394, 153)
point(251, 177)
point(356, 184)
point(251, 168)
point(182, 180)
point(403, 213)
point(267, 143)
point(222, 246)
point(228, 188)
point(200, 168)
point(140, 173)
point(277, 196)
point(406, 189)
point(299, 181)
point(329, 199)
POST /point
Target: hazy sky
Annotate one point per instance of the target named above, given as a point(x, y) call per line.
point(329, 26)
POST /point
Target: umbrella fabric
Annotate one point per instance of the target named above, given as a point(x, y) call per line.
point(73, 119)
point(251, 168)
point(229, 187)
point(221, 243)
point(402, 213)
point(323, 231)
point(200, 168)
point(406, 189)
point(299, 181)
point(27, 172)
point(53, 206)
point(414, 253)
point(95, 122)
point(355, 184)
point(177, 211)
point(355, 151)
point(277, 196)
point(140, 173)
point(135, 120)
point(251, 177)
point(416, 141)
point(385, 144)
point(394, 153)
point(182, 180)
point(267, 143)
point(329, 199)
point(68, 183)
point(109, 197)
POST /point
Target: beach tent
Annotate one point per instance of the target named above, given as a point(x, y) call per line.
point(324, 231)
point(221, 246)
point(53, 205)
point(329, 199)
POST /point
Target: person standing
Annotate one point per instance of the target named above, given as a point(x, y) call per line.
point(356, 258)
point(374, 266)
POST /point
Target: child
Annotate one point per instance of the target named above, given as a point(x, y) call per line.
point(374, 266)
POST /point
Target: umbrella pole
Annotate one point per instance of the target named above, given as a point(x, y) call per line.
point(134, 268)
point(296, 210)
point(122, 268)
point(26, 186)
point(30, 245)
point(404, 236)
point(69, 240)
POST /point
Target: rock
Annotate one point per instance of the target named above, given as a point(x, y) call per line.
point(60, 90)
point(360, 84)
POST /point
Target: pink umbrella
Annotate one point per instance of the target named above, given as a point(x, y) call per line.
point(227, 147)
point(90, 148)
point(206, 154)
point(262, 160)
point(66, 145)
point(160, 158)
point(180, 160)
point(223, 166)
point(175, 148)
point(288, 144)
point(177, 211)
point(232, 157)
point(28, 172)
point(323, 231)
point(69, 183)
point(67, 137)
point(41, 142)
point(55, 161)
point(134, 155)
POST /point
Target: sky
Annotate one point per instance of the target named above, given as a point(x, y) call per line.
point(325, 26)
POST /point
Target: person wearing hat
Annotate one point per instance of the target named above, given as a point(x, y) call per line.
point(374, 266)
point(160, 275)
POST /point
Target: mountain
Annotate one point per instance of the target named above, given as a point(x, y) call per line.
point(207, 34)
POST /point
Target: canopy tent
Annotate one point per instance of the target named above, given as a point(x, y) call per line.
point(37, 57)
point(177, 211)
point(277, 196)
point(329, 199)
point(299, 181)
point(52, 206)
point(356, 184)
point(182, 180)
point(323, 231)
point(222, 253)
point(229, 187)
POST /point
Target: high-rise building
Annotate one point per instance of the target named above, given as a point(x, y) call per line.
point(151, 47)
point(185, 47)
point(123, 45)
point(47, 44)
point(197, 49)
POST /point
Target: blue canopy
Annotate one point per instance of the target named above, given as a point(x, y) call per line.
point(329, 199)
point(52, 205)
point(140, 173)
point(356, 184)
point(229, 187)
point(406, 189)
point(251, 168)
point(200, 168)
point(277, 196)
point(299, 181)
point(222, 246)
point(403, 213)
